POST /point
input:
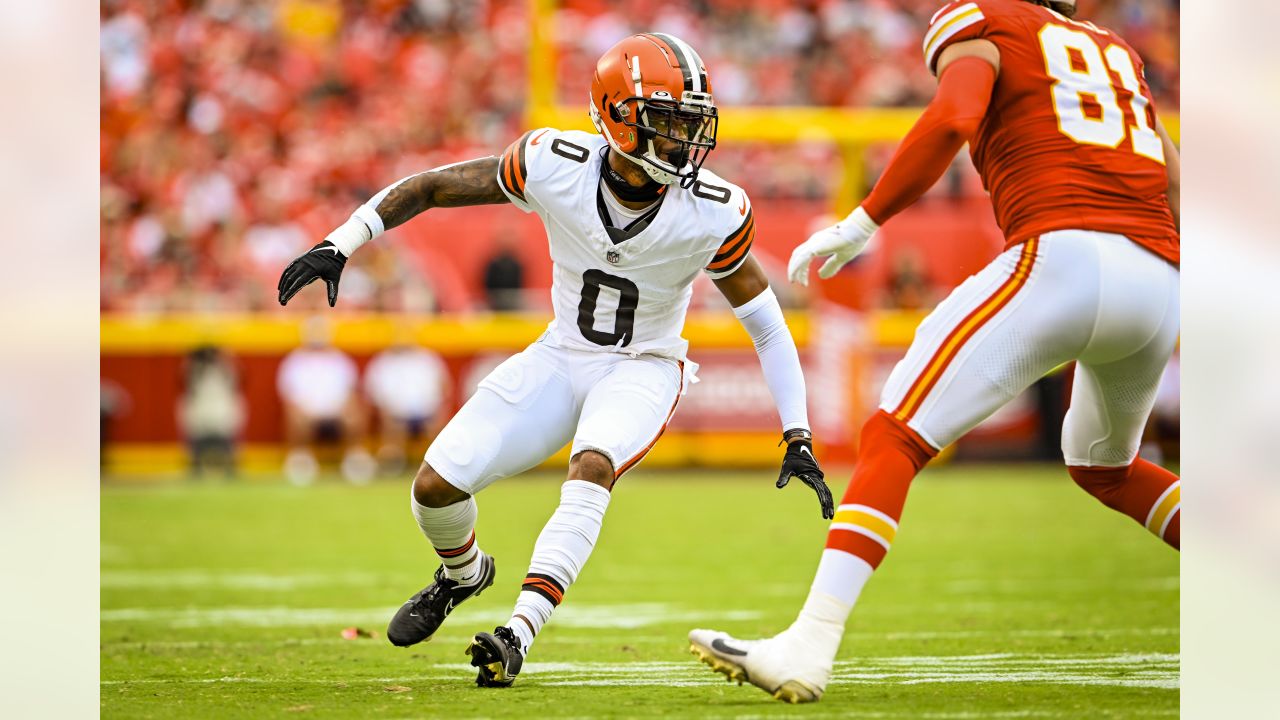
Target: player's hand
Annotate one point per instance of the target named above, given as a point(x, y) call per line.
point(839, 243)
point(322, 262)
point(799, 462)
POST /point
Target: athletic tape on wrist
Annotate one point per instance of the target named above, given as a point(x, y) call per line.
point(351, 234)
point(862, 221)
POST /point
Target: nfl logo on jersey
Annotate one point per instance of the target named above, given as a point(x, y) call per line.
point(613, 256)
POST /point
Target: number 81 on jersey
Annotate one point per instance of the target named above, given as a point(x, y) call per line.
point(1087, 76)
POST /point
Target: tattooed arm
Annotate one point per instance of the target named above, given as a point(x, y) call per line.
point(474, 182)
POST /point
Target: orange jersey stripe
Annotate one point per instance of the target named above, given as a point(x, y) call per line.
point(738, 234)
point(504, 174)
point(640, 455)
point(732, 253)
point(964, 330)
point(517, 171)
point(730, 243)
point(517, 161)
point(512, 168)
point(512, 176)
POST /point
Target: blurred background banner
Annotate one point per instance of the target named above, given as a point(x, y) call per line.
point(234, 135)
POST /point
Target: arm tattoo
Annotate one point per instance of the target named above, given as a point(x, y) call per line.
point(474, 182)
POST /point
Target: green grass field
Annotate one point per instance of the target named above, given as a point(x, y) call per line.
point(1009, 594)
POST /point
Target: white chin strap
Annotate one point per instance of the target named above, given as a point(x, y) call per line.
point(658, 174)
point(647, 163)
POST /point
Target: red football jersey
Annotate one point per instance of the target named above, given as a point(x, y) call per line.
point(1068, 141)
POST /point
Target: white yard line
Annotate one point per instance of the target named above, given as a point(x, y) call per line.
point(1050, 586)
point(1156, 670)
point(202, 579)
point(959, 715)
point(377, 618)
point(1058, 633)
point(1010, 658)
point(570, 616)
point(441, 639)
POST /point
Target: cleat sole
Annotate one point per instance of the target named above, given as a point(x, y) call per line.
point(491, 674)
point(792, 691)
point(730, 671)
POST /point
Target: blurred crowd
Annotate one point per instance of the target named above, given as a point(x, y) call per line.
point(850, 53)
point(236, 133)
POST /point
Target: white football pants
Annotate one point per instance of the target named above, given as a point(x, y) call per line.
point(1097, 298)
point(536, 401)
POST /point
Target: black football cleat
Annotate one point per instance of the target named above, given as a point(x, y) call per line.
point(418, 619)
point(498, 656)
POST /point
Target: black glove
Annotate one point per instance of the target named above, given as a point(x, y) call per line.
point(322, 262)
point(800, 462)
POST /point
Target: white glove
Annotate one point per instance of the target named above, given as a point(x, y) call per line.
point(842, 242)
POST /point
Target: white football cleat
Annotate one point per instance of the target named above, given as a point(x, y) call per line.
point(783, 666)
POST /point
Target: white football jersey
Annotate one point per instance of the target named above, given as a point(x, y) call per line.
point(622, 290)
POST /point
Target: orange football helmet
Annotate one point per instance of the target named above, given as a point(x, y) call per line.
point(651, 99)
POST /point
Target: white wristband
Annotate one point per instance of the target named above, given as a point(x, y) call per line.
point(350, 235)
point(365, 223)
point(369, 214)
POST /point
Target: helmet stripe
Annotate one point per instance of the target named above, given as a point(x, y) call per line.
point(693, 80)
point(700, 68)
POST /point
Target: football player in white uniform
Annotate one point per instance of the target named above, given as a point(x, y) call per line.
point(632, 218)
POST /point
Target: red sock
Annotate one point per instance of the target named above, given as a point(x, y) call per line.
point(1144, 491)
point(889, 457)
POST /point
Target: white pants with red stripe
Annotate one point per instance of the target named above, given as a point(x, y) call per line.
point(1093, 297)
point(536, 401)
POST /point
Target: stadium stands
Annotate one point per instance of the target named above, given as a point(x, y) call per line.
point(235, 134)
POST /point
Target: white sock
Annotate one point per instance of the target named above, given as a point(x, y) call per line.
point(562, 550)
point(836, 586)
point(531, 612)
point(841, 575)
point(452, 532)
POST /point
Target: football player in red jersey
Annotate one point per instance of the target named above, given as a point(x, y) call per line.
point(1083, 177)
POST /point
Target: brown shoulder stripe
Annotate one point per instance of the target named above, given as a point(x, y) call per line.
point(512, 170)
point(520, 167)
point(736, 245)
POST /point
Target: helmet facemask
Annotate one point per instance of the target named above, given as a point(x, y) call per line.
point(673, 138)
point(662, 119)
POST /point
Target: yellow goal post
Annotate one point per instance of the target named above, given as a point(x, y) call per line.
point(852, 130)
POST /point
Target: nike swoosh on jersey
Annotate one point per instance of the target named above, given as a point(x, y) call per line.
point(538, 138)
point(743, 210)
point(720, 646)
